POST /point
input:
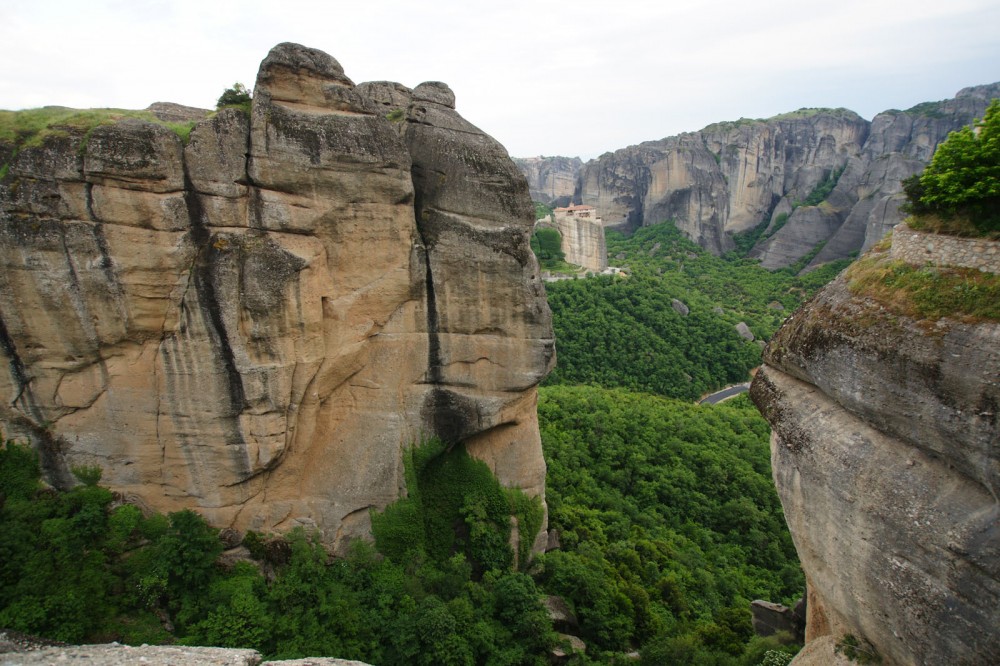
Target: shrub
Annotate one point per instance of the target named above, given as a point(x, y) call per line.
point(238, 95)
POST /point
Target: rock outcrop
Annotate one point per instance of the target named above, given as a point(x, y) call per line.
point(582, 236)
point(732, 177)
point(551, 180)
point(884, 452)
point(114, 654)
point(256, 324)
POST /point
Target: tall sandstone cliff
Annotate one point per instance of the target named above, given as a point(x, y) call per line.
point(731, 177)
point(257, 323)
point(551, 180)
point(885, 455)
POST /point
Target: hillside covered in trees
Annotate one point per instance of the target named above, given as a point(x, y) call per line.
point(633, 332)
point(666, 515)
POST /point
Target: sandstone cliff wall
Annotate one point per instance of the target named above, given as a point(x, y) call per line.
point(551, 180)
point(256, 323)
point(731, 177)
point(583, 241)
point(884, 452)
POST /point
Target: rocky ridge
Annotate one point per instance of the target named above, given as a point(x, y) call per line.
point(884, 455)
point(255, 324)
point(733, 177)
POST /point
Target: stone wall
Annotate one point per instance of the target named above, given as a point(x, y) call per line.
point(918, 247)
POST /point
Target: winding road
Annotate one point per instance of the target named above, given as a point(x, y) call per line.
point(724, 394)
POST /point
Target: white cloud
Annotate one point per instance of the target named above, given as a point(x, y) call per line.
point(550, 77)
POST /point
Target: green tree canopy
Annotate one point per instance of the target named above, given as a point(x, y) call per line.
point(237, 95)
point(963, 178)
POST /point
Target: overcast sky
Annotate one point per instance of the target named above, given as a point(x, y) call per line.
point(543, 77)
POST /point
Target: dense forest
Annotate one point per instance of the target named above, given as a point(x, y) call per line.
point(629, 331)
point(667, 520)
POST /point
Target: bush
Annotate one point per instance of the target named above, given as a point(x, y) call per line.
point(238, 95)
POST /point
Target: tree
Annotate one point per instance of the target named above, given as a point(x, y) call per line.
point(963, 177)
point(237, 95)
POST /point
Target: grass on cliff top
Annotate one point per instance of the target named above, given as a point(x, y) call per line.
point(927, 292)
point(24, 129)
point(957, 225)
point(790, 115)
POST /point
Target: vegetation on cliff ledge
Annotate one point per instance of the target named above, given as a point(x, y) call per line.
point(959, 191)
point(31, 127)
point(929, 293)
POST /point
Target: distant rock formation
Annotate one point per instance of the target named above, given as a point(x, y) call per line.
point(257, 323)
point(813, 176)
point(582, 236)
point(551, 180)
point(884, 452)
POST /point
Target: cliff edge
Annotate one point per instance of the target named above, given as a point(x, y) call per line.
point(256, 323)
point(884, 452)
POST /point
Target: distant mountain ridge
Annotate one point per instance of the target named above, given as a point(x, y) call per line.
point(824, 182)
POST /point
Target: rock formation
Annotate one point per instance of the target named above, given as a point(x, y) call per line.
point(884, 452)
point(734, 176)
point(113, 654)
point(255, 324)
point(582, 236)
point(551, 180)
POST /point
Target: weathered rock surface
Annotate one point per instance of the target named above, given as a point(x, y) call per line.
point(733, 176)
point(884, 454)
point(112, 654)
point(551, 180)
point(256, 324)
point(582, 236)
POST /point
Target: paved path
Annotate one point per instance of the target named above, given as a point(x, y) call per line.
point(724, 394)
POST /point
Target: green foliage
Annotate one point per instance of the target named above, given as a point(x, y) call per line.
point(546, 243)
point(448, 489)
point(238, 95)
point(396, 116)
point(88, 475)
point(963, 178)
point(542, 211)
point(857, 650)
point(776, 658)
point(927, 292)
point(32, 127)
point(745, 240)
point(529, 513)
point(668, 519)
point(822, 189)
point(623, 332)
point(20, 471)
point(74, 570)
point(927, 109)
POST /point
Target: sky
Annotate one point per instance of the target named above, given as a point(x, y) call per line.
point(544, 77)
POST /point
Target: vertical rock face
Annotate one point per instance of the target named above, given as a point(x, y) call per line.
point(583, 240)
point(255, 324)
point(731, 177)
point(551, 180)
point(884, 451)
